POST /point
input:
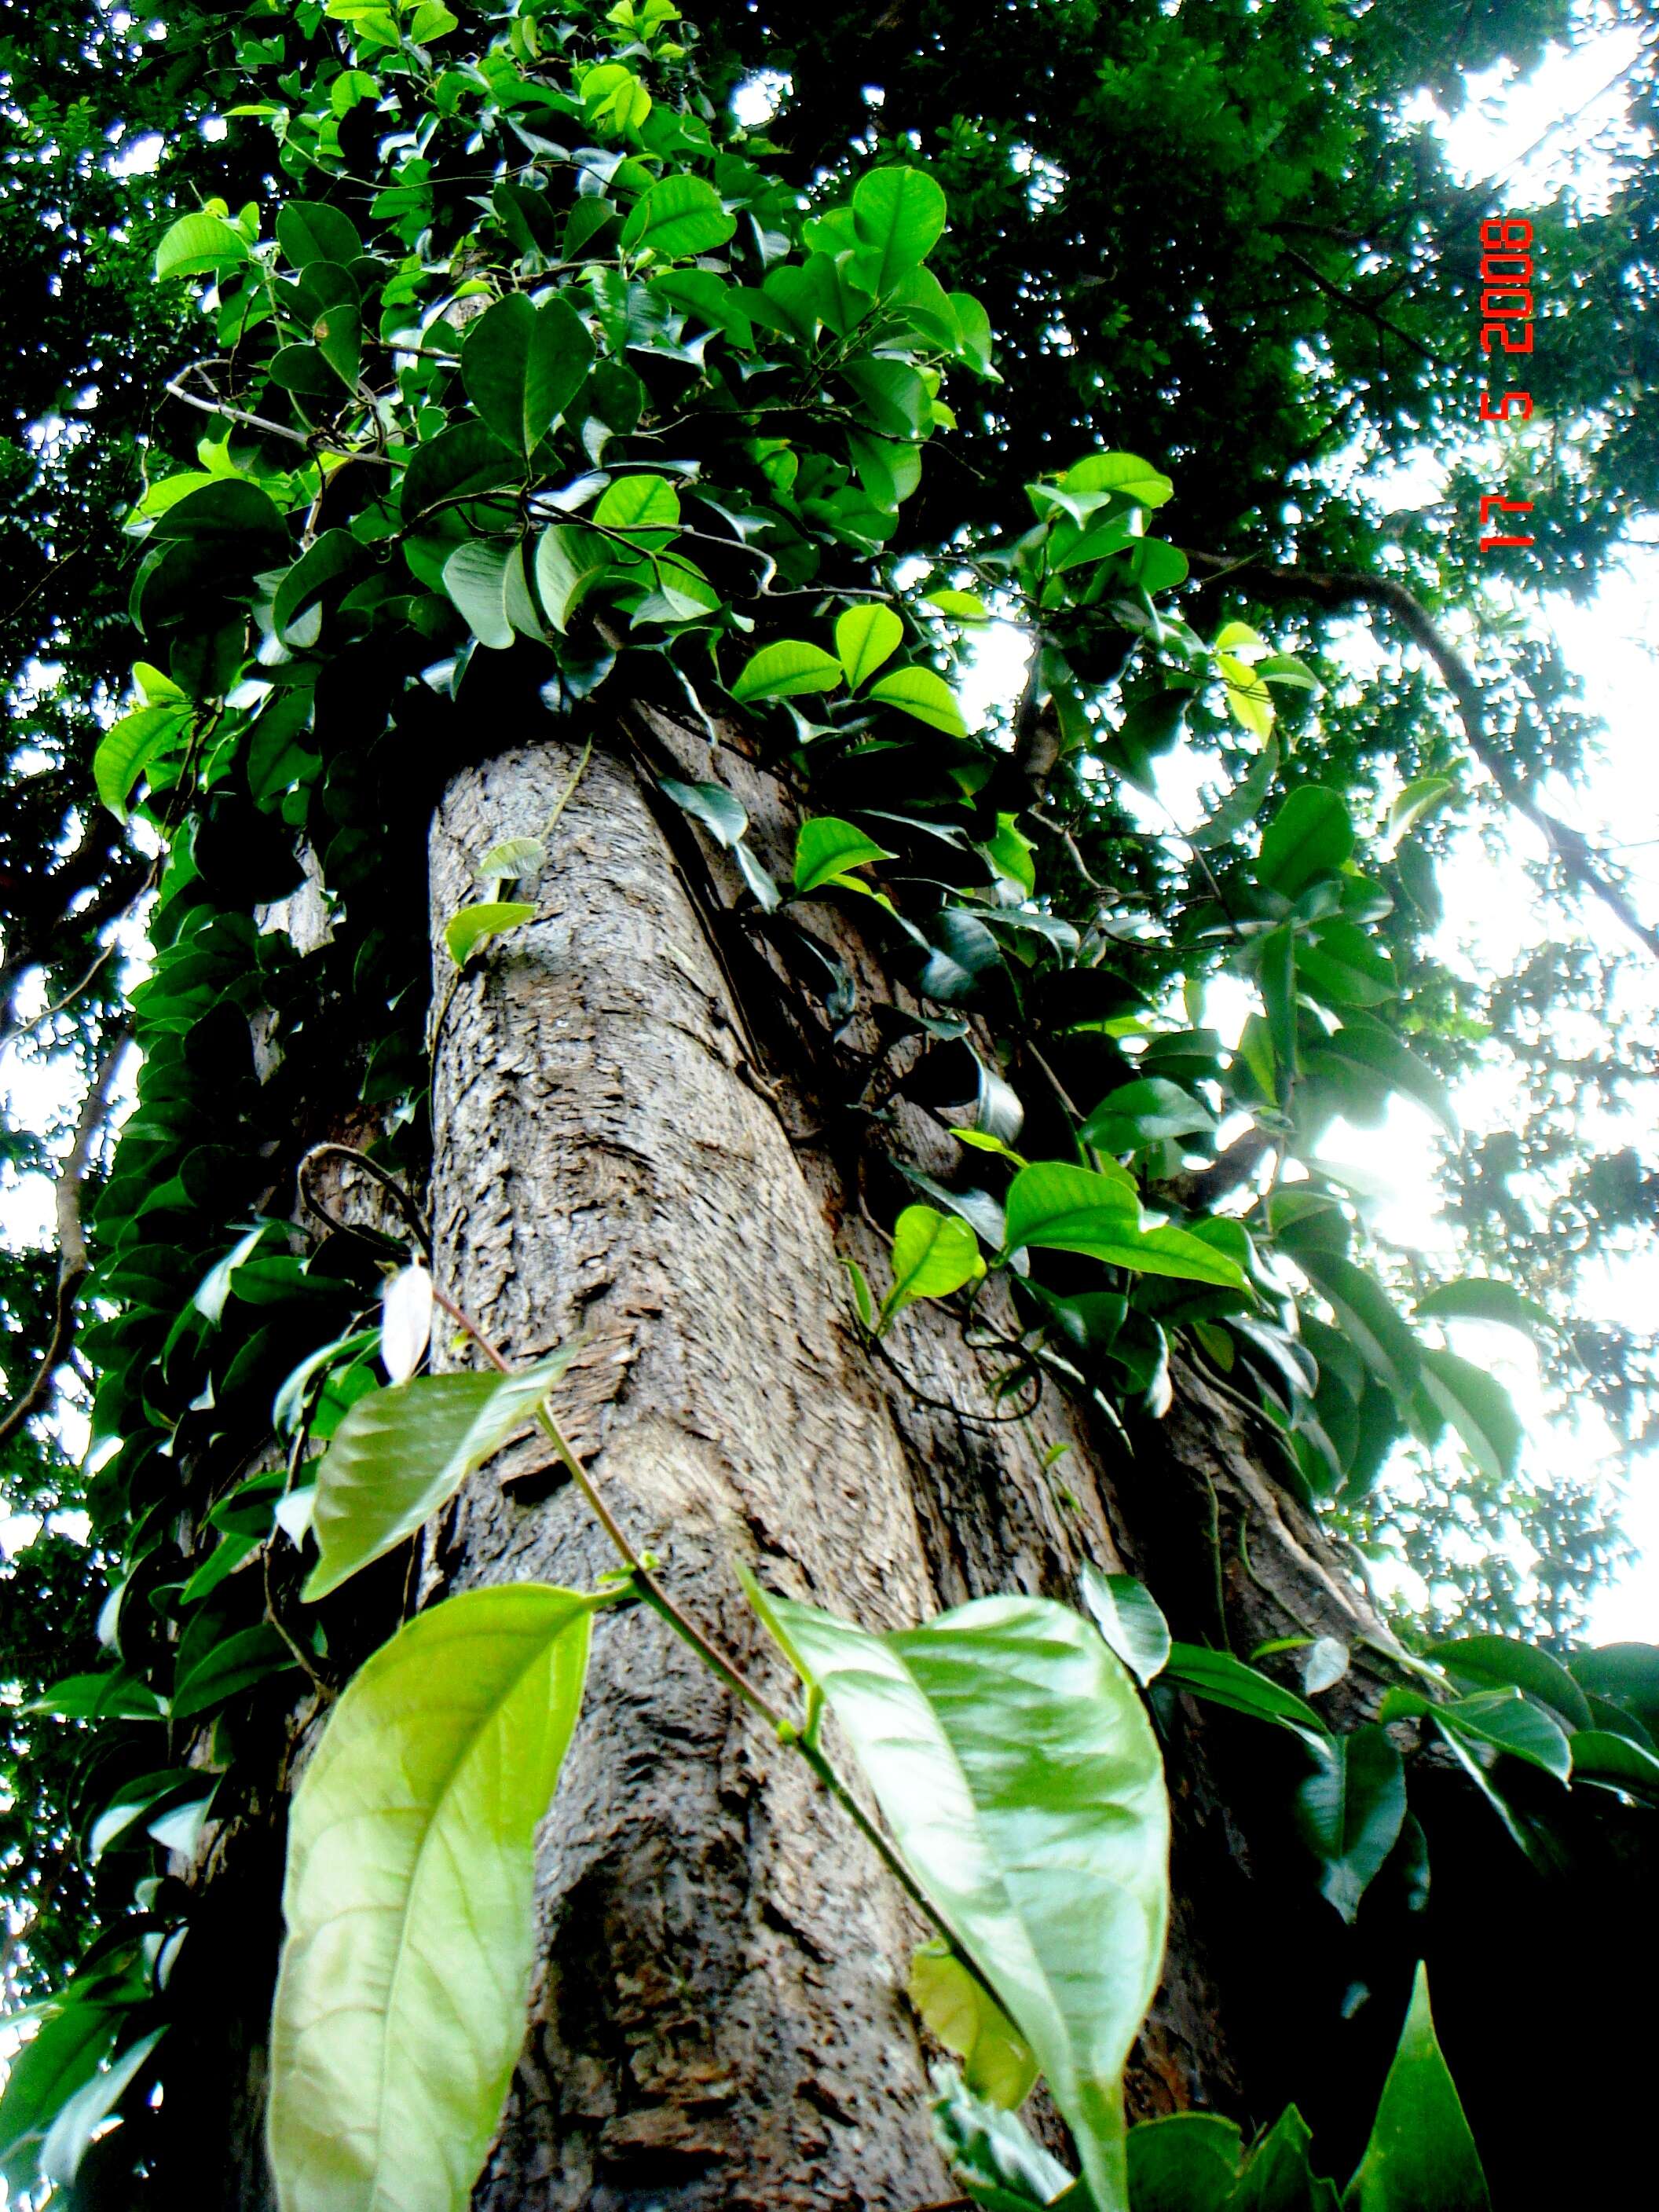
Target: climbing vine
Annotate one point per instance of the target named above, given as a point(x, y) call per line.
point(535, 393)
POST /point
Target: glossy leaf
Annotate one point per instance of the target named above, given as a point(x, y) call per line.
point(523, 366)
point(644, 511)
point(898, 215)
point(80, 2119)
point(961, 2013)
point(1279, 2175)
point(1012, 1758)
point(1479, 1407)
point(1350, 1810)
point(677, 218)
point(787, 669)
point(1125, 473)
point(1128, 1616)
point(64, 2052)
point(1063, 1208)
point(1142, 1112)
point(408, 1902)
point(920, 693)
point(866, 636)
point(401, 1452)
point(826, 848)
point(1421, 2156)
point(1482, 1297)
point(1225, 1680)
point(994, 2157)
point(470, 927)
point(476, 579)
point(1478, 1663)
point(718, 810)
point(1311, 835)
point(933, 1255)
point(133, 745)
point(198, 245)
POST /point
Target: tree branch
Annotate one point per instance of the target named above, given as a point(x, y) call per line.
point(73, 1264)
point(1338, 587)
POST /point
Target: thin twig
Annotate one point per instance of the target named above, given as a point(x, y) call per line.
point(388, 1182)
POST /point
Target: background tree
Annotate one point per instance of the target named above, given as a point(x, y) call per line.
point(663, 1100)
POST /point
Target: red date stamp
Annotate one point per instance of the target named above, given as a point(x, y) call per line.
point(1506, 318)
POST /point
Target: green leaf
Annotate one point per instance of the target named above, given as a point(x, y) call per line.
point(1421, 2156)
point(918, 692)
point(1225, 1680)
point(198, 245)
point(1421, 797)
point(310, 230)
point(898, 215)
point(678, 218)
point(251, 1656)
point(132, 745)
point(431, 19)
point(1481, 1297)
point(1071, 1209)
point(960, 606)
point(787, 669)
point(1128, 1616)
point(476, 578)
point(1603, 1755)
point(1341, 966)
point(866, 636)
point(567, 562)
point(933, 1255)
point(1013, 1761)
point(522, 367)
point(82, 2118)
point(336, 553)
point(63, 2053)
point(1479, 1407)
point(826, 848)
point(1311, 835)
point(1350, 1810)
point(1481, 1662)
point(1142, 1112)
point(401, 1452)
point(1278, 2176)
point(513, 857)
point(1186, 2162)
point(1626, 1673)
point(1510, 1722)
point(645, 510)
point(470, 927)
point(410, 1902)
point(719, 810)
point(1125, 473)
point(963, 2015)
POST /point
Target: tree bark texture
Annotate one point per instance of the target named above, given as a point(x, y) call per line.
point(717, 2019)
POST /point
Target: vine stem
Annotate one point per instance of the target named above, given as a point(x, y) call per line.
point(653, 1593)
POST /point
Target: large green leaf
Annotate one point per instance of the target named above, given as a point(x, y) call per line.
point(677, 217)
point(1097, 1213)
point(400, 1452)
point(1012, 1757)
point(786, 670)
point(147, 734)
point(826, 848)
point(63, 2053)
point(1311, 835)
point(1279, 2175)
point(199, 243)
point(1479, 1407)
point(1484, 1663)
point(1421, 2156)
point(1141, 1112)
point(1188, 2162)
point(1225, 1680)
point(477, 576)
point(866, 636)
point(1626, 1673)
point(897, 216)
point(522, 367)
point(929, 698)
point(1351, 1809)
point(409, 1903)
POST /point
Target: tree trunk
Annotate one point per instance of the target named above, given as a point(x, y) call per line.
point(718, 2017)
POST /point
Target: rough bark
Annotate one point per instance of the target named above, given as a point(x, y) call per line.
point(717, 2020)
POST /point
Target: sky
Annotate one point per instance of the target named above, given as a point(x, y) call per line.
point(1493, 917)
